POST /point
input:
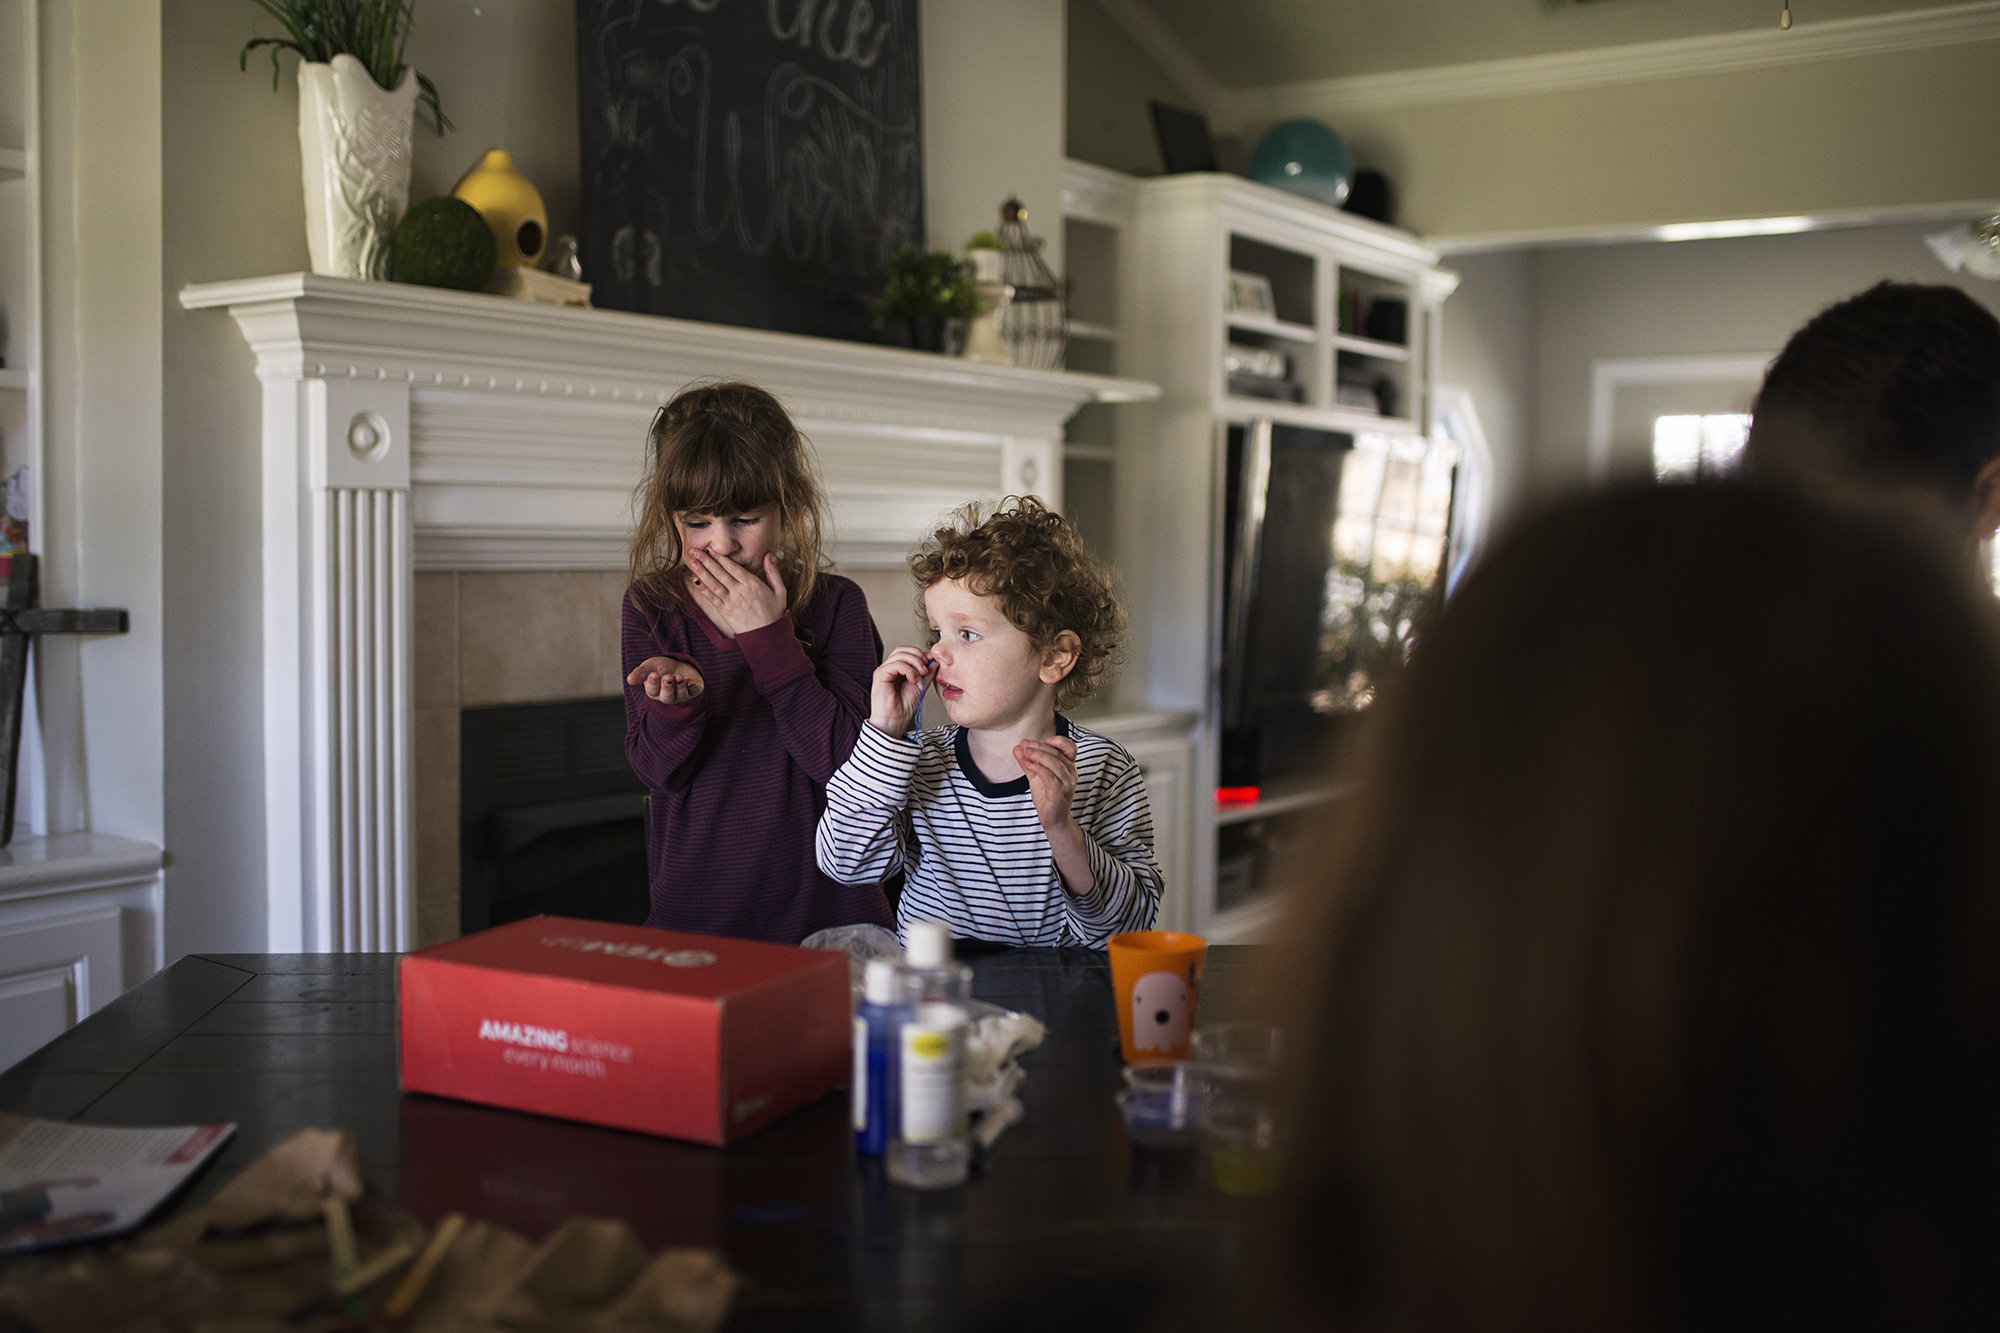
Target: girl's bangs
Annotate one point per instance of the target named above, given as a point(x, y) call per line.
point(721, 476)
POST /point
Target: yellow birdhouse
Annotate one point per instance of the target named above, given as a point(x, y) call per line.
point(511, 205)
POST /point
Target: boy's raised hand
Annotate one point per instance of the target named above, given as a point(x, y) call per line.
point(897, 690)
point(735, 598)
point(1051, 768)
point(666, 680)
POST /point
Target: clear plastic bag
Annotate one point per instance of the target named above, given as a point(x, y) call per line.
point(860, 944)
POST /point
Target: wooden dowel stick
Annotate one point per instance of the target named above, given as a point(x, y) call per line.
point(339, 1235)
point(375, 1269)
point(420, 1276)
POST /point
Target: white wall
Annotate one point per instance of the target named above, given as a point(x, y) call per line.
point(1896, 129)
point(102, 699)
point(1488, 350)
point(1110, 82)
point(1688, 298)
point(1525, 327)
point(993, 117)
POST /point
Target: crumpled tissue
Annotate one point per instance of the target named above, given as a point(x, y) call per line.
point(258, 1252)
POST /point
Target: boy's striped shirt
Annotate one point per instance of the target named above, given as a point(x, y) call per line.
point(974, 852)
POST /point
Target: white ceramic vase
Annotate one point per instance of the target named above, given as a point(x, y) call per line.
point(354, 139)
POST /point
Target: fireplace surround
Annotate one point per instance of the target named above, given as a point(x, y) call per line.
point(410, 429)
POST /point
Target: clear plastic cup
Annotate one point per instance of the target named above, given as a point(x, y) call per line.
point(1165, 1076)
point(1163, 1102)
point(1238, 1062)
point(1238, 1050)
point(1246, 1144)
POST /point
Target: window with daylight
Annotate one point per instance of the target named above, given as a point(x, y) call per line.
point(1698, 448)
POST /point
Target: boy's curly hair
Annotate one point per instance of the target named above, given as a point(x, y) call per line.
point(1030, 560)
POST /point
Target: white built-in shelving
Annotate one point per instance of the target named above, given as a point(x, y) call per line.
point(1100, 211)
point(1273, 328)
point(1373, 347)
point(1352, 305)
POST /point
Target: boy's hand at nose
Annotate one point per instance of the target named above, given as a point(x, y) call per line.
point(735, 599)
point(898, 687)
point(668, 681)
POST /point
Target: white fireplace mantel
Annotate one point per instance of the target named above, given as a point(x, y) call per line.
point(409, 427)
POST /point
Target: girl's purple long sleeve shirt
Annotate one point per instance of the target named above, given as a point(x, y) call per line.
point(738, 775)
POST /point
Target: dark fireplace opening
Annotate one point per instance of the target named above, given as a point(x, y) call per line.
point(551, 817)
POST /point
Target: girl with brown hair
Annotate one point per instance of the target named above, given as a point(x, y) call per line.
point(748, 667)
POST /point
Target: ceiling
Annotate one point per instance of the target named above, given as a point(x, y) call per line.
point(1255, 43)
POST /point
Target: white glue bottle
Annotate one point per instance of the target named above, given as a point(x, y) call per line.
point(875, 1054)
point(928, 1147)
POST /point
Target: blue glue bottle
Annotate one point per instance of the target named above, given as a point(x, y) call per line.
point(874, 1085)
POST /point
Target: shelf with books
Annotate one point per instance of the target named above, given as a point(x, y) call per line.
point(1375, 347)
point(1275, 328)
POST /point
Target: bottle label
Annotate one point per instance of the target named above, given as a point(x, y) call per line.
point(933, 1066)
point(860, 1084)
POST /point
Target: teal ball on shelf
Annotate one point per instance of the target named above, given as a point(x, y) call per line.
point(1305, 157)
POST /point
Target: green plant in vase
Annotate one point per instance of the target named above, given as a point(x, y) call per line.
point(357, 106)
point(929, 291)
point(372, 31)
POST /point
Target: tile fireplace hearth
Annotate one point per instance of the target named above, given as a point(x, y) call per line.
point(408, 430)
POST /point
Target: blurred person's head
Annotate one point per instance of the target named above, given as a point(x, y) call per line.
point(1897, 391)
point(1663, 940)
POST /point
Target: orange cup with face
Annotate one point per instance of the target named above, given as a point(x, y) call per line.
point(1156, 979)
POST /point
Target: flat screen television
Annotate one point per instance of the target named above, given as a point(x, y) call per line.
point(1335, 546)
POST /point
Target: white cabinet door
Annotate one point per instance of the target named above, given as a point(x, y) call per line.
point(1165, 766)
point(54, 973)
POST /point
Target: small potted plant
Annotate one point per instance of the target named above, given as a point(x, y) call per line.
point(357, 102)
point(983, 250)
point(932, 294)
point(982, 335)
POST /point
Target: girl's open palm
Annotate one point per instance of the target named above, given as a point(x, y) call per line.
point(736, 599)
point(667, 680)
point(897, 690)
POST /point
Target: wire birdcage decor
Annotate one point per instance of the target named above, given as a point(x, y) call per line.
point(1034, 324)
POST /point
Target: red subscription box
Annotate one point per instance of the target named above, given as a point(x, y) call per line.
point(691, 1036)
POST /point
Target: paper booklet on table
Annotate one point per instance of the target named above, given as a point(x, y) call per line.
point(61, 1183)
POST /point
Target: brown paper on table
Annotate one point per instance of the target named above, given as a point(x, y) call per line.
point(258, 1251)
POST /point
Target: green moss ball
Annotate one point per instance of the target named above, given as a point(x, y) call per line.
point(444, 242)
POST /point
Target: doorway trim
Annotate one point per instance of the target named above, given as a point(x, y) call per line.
point(1609, 374)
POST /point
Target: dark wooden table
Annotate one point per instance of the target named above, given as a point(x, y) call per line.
point(1067, 1226)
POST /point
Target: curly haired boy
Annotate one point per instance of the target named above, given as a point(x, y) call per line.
point(1013, 824)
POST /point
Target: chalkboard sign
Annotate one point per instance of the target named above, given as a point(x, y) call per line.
point(748, 162)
